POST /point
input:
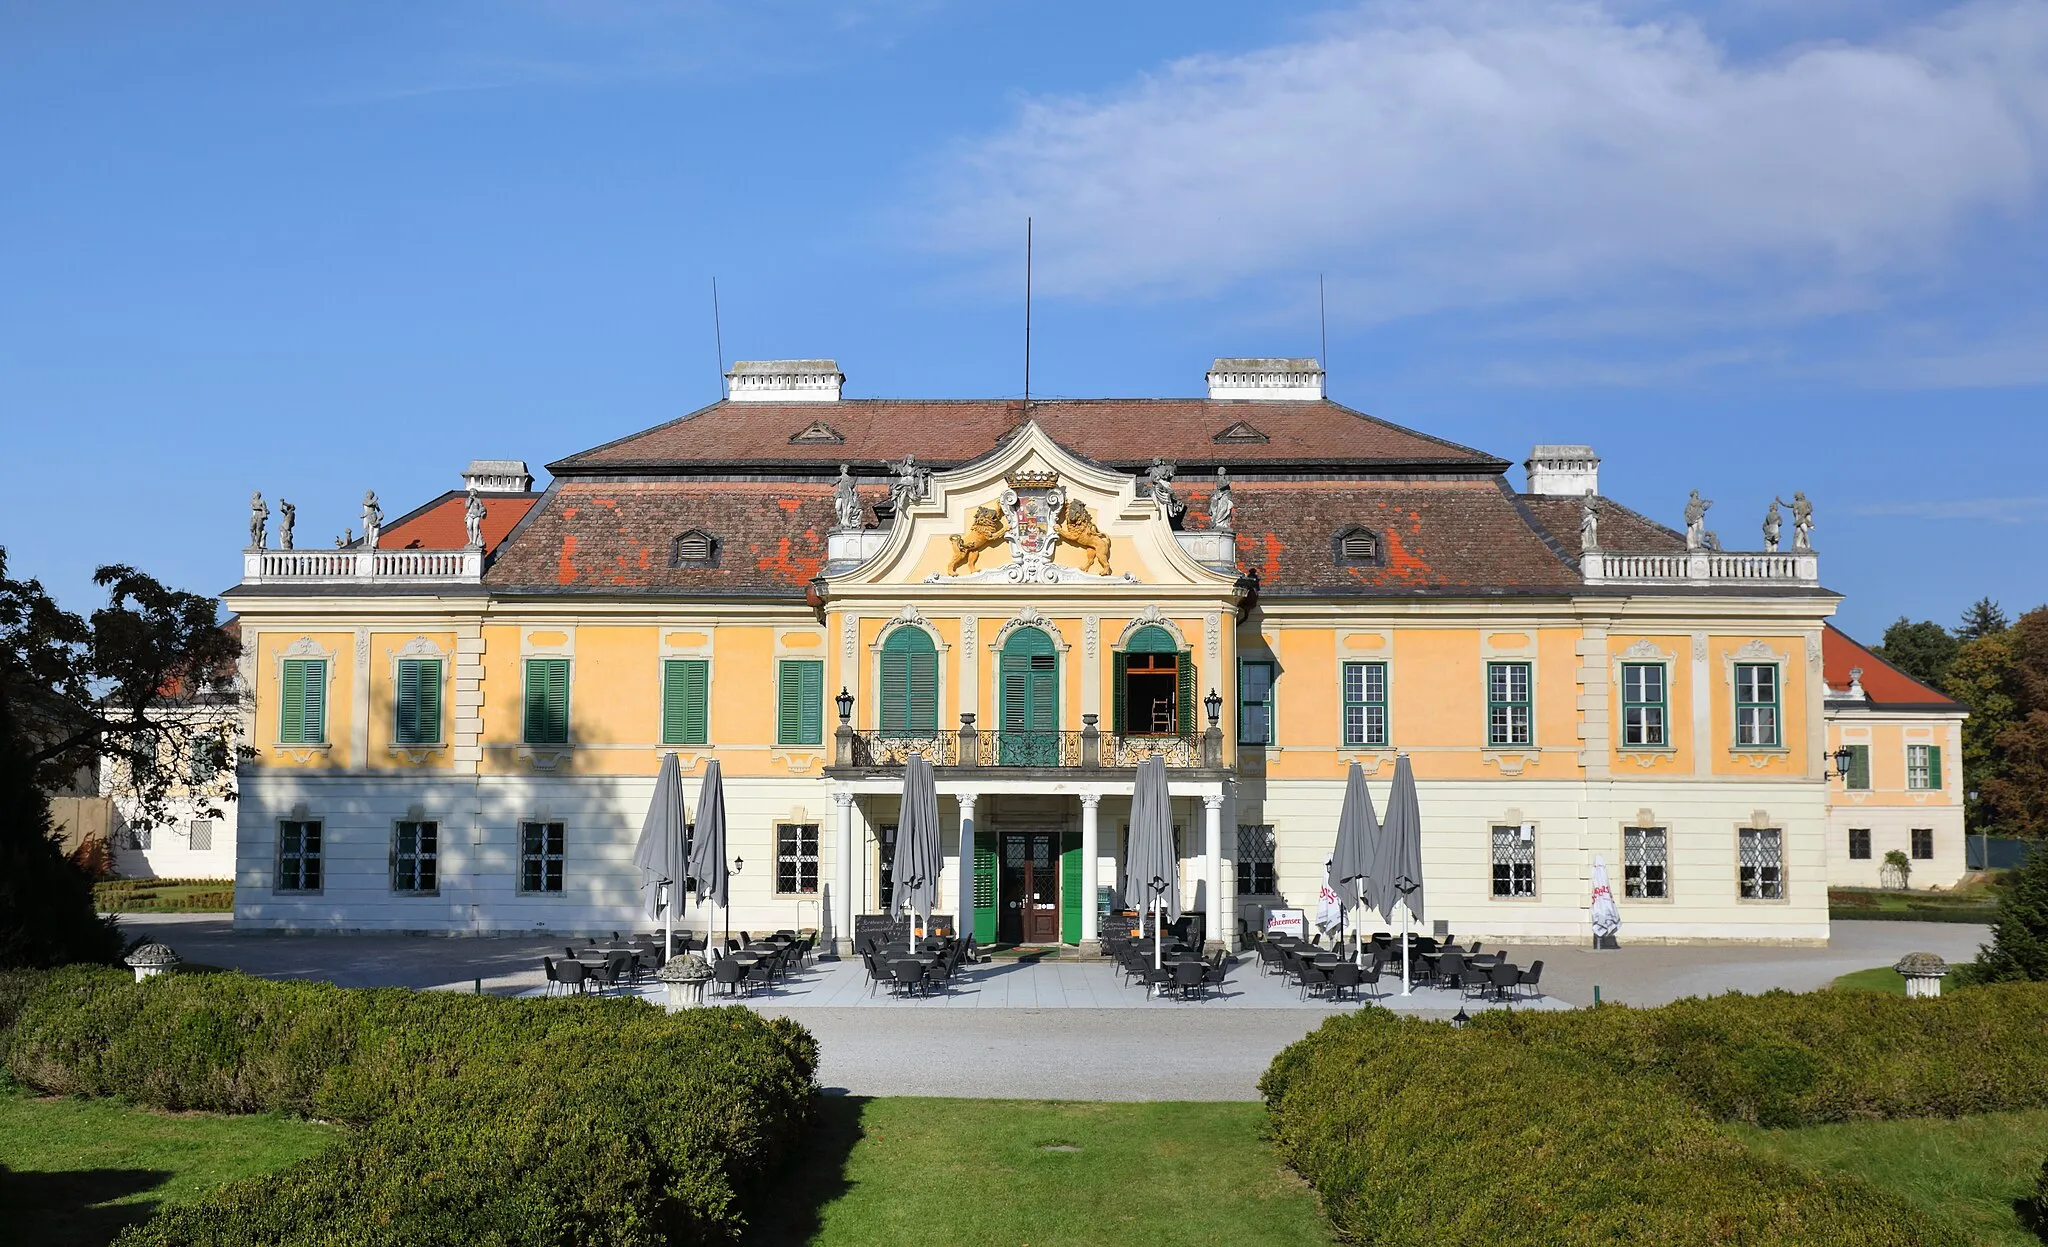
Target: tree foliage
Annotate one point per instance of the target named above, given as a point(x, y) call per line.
point(1983, 618)
point(2018, 950)
point(1981, 678)
point(145, 684)
point(1922, 650)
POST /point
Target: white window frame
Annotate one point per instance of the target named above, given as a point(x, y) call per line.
point(1521, 865)
point(417, 860)
point(1365, 737)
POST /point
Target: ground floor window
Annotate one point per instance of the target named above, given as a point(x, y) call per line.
point(1514, 861)
point(1643, 852)
point(1256, 847)
point(796, 857)
point(540, 857)
point(1859, 844)
point(1923, 844)
point(415, 857)
point(298, 855)
point(199, 832)
point(1760, 871)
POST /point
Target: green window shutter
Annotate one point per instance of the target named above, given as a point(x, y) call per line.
point(536, 700)
point(812, 679)
point(547, 701)
point(1934, 766)
point(1185, 707)
point(788, 705)
point(895, 690)
point(685, 701)
point(1116, 717)
point(923, 680)
point(430, 700)
point(984, 888)
point(1859, 766)
point(316, 701)
point(800, 702)
point(291, 712)
point(1070, 888)
point(910, 683)
point(418, 701)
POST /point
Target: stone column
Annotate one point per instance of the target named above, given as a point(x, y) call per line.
point(842, 884)
point(965, 920)
point(1212, 899)
point(1091, 837)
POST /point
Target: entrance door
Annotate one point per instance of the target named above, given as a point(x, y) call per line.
point(1030, 911)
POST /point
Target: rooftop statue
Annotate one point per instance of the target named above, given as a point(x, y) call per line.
point(1696, 521)
point(473, 519)
point(289, 516)
point(1589, 523)
point(259, 521)
point(846, 506)
point(373, 518)
point(1221, 505)
point(1802, 521)
point(1774, 523)
point(1159, 485)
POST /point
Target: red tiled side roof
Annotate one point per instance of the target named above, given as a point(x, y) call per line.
point(1621, 528)
point(947, 432)
point(1886, 684)
point(439, 524)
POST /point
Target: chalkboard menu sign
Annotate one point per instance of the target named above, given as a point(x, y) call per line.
point(894, 929)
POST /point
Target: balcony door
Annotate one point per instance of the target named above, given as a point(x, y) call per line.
point(1029, 667)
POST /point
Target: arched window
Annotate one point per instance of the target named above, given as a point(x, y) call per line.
point(910, 683)
point(692, 548)
point(1029, 668)
point(1154, 686)
point(1358, 545)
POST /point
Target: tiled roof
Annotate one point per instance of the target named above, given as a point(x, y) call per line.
point(1621, 528)
point(947, 432)
point(439, 524)
point(1888, 687)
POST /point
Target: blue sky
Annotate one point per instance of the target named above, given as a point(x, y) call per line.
point(1747, 247)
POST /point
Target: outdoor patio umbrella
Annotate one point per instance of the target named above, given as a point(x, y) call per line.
point(1606, 918)
point(1358, 833)
point(707, 848)
point(659, 854)
point(915, 870)
point(1150, 870)
point(1397, 866)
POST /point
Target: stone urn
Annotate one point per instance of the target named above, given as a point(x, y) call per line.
point(685, 977)
point(1923, 973)
point(151, 960)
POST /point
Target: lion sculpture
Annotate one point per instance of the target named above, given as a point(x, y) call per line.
point(987, 529)
point(1076, 527)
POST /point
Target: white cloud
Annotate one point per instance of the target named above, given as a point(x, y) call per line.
point(1476, 154)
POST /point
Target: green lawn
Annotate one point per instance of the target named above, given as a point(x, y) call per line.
point(1977, 902)
point(1007, 1172)
point(80, 1170)
point(1969, 1170)
point(1877, 979)
point(164, 896)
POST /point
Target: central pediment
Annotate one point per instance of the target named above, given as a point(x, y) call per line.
point(1028, 513)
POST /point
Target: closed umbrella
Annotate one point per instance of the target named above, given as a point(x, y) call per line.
point(1606, 918)
point(1398, 863)
point(1150, 870)
point(1329, 910)
point(915, 870)
point(707, 848)
point(659, 854)
point(1358, 833)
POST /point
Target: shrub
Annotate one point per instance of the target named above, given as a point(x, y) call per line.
point(2034, 1209)
point(475, 1119)
point(1781, 1059)
point(1415, 1133)
point(2018, 951)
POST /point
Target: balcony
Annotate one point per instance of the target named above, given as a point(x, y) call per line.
point(1706, 568)
point(355, 566)
point(1089, 749)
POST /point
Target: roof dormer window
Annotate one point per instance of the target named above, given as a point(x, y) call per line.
point(695, 548)
point(1358, 545)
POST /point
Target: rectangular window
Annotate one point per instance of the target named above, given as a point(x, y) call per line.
point(1761, 865)
point(540, 857)
point(418, 701)
point(1507, 703)
point(796, 858)
point(1514, 861)
point(1858, 778)
point(1644, 862)
point(800, 702)
point(685, 701)
point(1365, 705)
point(1254, 703)
point(1859, 844)
point(200, 832)
point(547, 701)
point(298, 855)
point(1756, 705)
point(1643, 705)
point(415, 857)
point(1256, 847)
point(1923, 766)
point(1923, 844)
point(302, 702)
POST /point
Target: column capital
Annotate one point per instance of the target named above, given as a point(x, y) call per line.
point(1090, 800)
point(1212, 800)
point(842, 797)
point(967, 800)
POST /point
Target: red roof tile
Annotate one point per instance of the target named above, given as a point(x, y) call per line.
point(1887, 685)
point(1621, 528)
point(439, 524)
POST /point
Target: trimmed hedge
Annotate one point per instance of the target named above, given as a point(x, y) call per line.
point(475, 1120)
point(1414, 1133)
point(1782, 1059)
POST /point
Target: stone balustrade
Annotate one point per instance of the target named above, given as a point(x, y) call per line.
point(1717, 568)
point(351, 566)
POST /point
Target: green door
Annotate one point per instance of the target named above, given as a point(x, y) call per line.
point(1029, 735)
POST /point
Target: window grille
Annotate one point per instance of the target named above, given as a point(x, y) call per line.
point(1643, 705)
point(1859, 844)
point(200, 833)
point(1756, 705)
point(1514, 862)
point(1644, 863)
point(1256, 848)
point(885, 848)
point(540, 857)
point(1761, 873)
point(1923, 844)
point(1365, 704)
point(415, 857)
point(1507, 703)
point(796, 857)
point(298, 855)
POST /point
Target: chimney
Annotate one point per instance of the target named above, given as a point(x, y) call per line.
point(784, 381)
point(1563, 471)
point(1296, 380)
point(498, 476)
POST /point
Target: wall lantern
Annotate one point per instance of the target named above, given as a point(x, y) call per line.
point(845, 703)
point(1213, 703)
point(1842, 758)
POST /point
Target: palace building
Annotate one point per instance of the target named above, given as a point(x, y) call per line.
point(459, 714)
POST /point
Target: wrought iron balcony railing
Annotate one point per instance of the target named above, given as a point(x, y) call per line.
point(1086, 749)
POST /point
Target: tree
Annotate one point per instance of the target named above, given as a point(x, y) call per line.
point(1922, 650)
point(145, 683)
point(2018, 790)
point(2018, 950)
point(1983, 618)
point(1982, 678)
